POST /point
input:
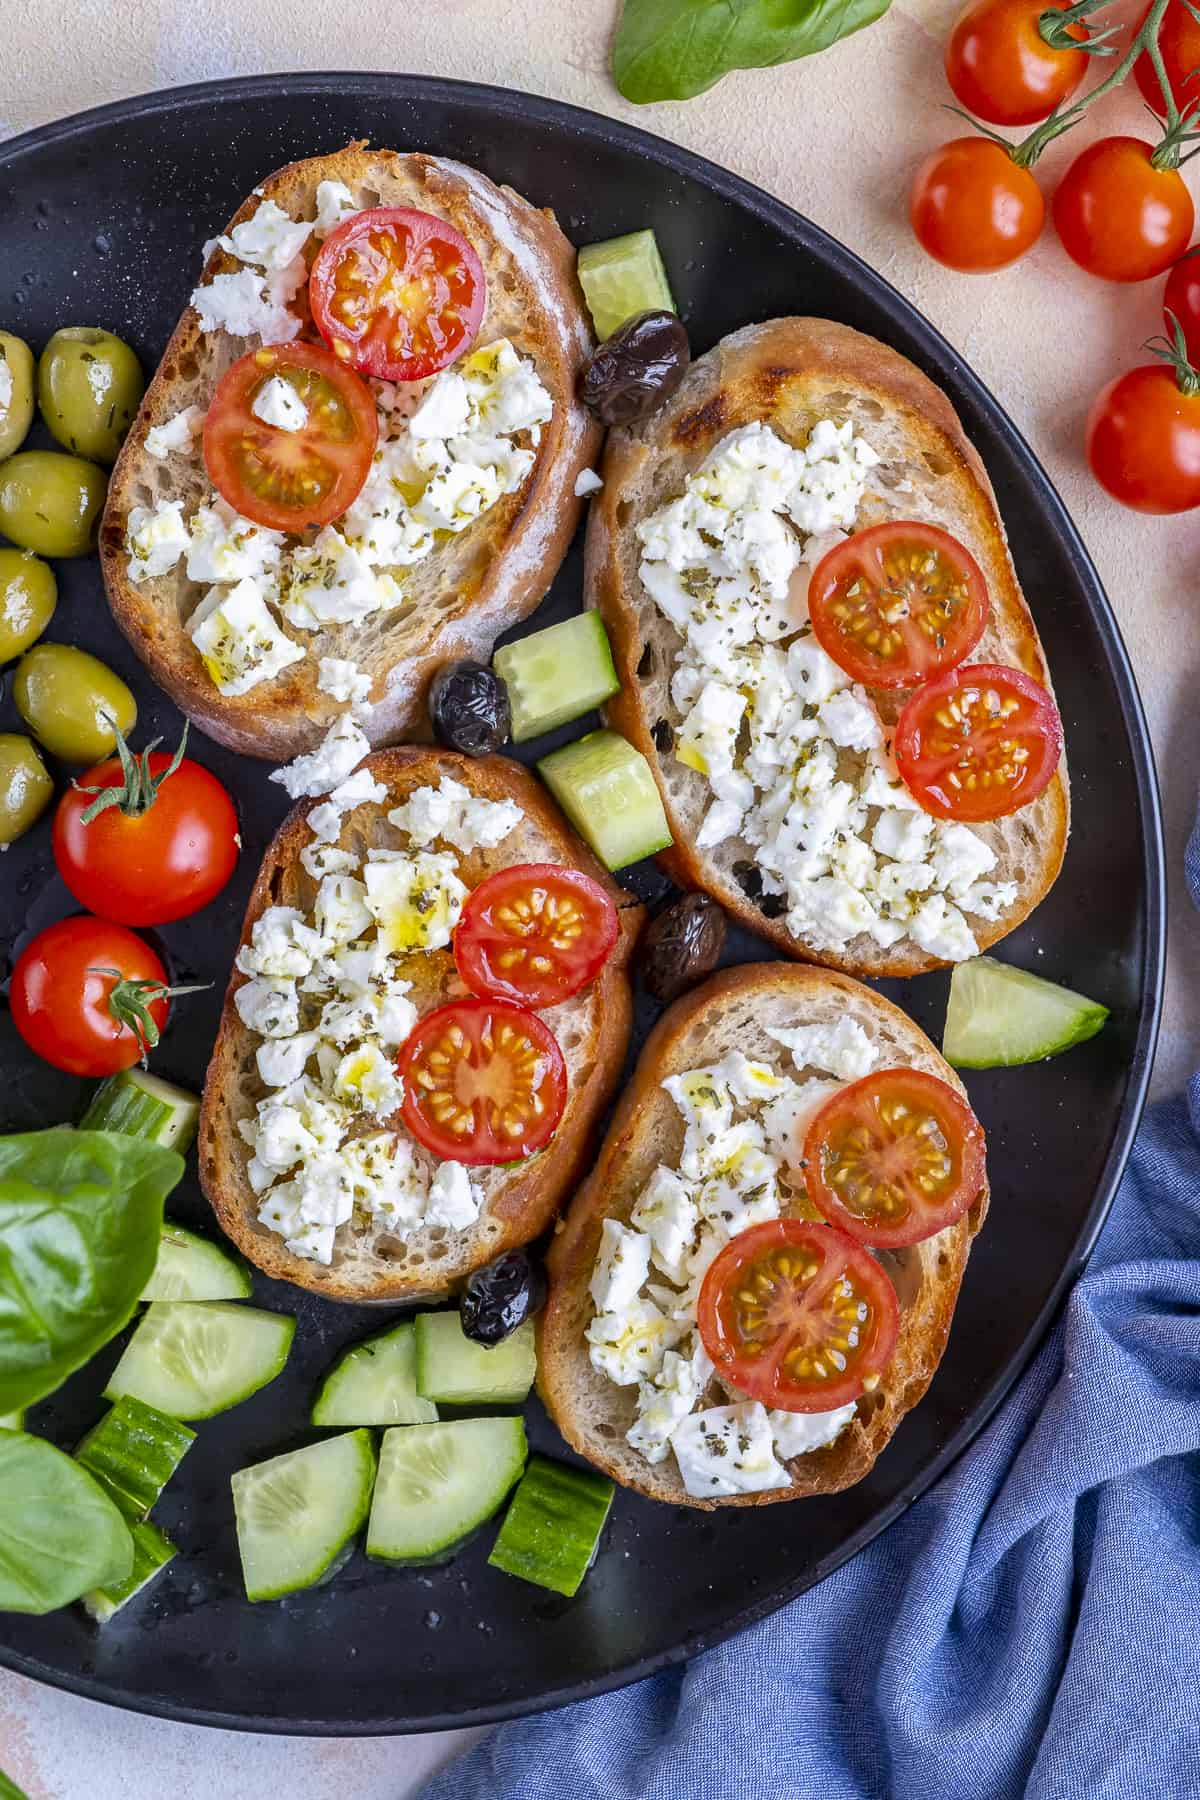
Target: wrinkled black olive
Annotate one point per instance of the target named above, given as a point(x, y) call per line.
point(681, 946)
point(468, 708)
point(636, 369)
point(501, 1296)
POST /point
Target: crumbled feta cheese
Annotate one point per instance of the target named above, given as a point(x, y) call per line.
point(941, 930)
point(727, 1450)
point(323, 768)
point(329, 582)
point(664, 1402)
point(277, 403)
point(155, 540)
point(269, 238)
point(339, 910)
point(629, 1346)
point(366, 1078)
point(621, 1267)
point(282, 945)
point(415, 900)
point(454, 1200)
point(225, 547)
point(174, 434)
point(247, 303)
point(270, 1007)
point(239, 640)
point(666, 1212)
point(451, 813)
point(786, 1120)
point(335, 204)
point(843, 1049)
point(320, 860)
point(587, 482)
point(795, 1434)
point(281, 1060)
point(343, 680)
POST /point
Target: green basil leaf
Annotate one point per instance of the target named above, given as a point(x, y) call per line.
point(80, 1216)
point(672, 49)
point(60, 1534)
point(8, 1788)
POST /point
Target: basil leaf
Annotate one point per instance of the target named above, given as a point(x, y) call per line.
point(80, 1216)
point(672, 49)
point(60, 1534)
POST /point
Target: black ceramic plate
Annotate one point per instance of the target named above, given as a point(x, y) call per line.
point(101, 220)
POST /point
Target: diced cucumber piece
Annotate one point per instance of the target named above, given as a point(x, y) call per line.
point(190, 1268)
point(453, 1369)
point(191, 1359)
point(13, 1421)
point(438, 1483)
point(608, 791)
point(133, 1453)
point(623, 276)
point(375, 1383)
point(999, 1017)
point(144, 1106)
point(298, 1512)
point(557, 674)
point(551, 1530)
point(151, 1554)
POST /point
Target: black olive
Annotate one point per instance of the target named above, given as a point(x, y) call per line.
point(501, 1296)
point(636, 369)
point(681, 946)
point(468, 708)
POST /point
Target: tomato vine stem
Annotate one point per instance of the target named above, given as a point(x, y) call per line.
point(1026, 153)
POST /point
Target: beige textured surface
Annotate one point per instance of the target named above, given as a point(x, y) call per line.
point(836, 138)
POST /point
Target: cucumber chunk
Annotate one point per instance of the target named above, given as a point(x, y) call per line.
point(297, 1513)
point(608, 792)
point(190, 1268)
point(144, 1106)
point(193, 1359)
point(451, 1368)
point(375, 1383)
point(133, 1453)
point(623, 276)
point(557, 674)
point(551, 1530)
point(151, 1554)
point(999, 1017)
point(438, 1483)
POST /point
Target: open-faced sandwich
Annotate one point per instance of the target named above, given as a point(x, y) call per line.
point(757, 1281)
point(825, 654)
point(428, 1012)
point(358, 457)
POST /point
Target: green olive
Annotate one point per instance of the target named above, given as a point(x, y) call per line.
point(89, 387)
point(28, 596)
point(25, 787)
point(68, 700)
point(16, 392)
point(50, 503)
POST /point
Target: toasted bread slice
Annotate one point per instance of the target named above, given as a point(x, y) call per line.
point(474, 584)
point(790, 373)
point(592, 1030)
point(730, 1011)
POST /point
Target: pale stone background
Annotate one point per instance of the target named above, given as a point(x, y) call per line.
point(836, 138)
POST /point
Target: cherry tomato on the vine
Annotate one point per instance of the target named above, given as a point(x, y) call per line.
point(1179, 44)
point(1118, 215)
point(89, 997)
point(1002, 68)
point(973, 208)
point(1181, 301)
point(1143, 439)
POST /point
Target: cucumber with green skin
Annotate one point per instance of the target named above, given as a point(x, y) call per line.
point(556, 675)
point(375, 1383)
point(190, 1268)
point(142, 1105)
point(297, 1514)
point(552, 1528)
point(452, 1368)
point(622, 276)
point(438, 1483)
point(1002, 1017)
point(133, 1453)
point(608, 792)
point(152, 1551)
point(191, 1359)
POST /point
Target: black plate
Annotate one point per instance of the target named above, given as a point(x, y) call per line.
point(101, 219)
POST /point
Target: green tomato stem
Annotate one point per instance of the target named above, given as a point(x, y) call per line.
point(138, 788)
point(1026, 153)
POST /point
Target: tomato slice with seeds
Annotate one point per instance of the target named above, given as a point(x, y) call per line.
point(898, 603)
point(397, 293)
point(484, 1082)
point(894, 1158)
point(535, 933)
point(979, 743)
point(798, 1315)
point(289, 480)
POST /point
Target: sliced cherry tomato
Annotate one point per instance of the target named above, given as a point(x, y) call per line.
point(397, 293)
point(1179, 42)
point(89, 997)
point(484, 1082)
point(1143, 440)
point(1181, 301)
point(1002, 65)
point(978, 743)
point(894, 1158)
point(1118, 216)
point(798, 1315)
point(535, 933)
point(973, 208)
point(289, 480)
point(898, 603)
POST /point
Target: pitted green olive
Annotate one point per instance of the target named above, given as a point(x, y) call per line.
point(25, 787)
point(68, 699)
point(28, 596)
point(89, 388)
point(50, 503)
point(16, 392)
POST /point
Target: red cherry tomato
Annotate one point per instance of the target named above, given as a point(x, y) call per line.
point(289, 480)
point(397, 293)
point(894, 1158)
point(535, 933)
point(1003, 70)
point(1179, 43)
point(898, 603)
point(798, 1315)
point(73, 1010)
point(979, 742)
point(484, 1082)
point(1118, 216)
point(1143, 441)
point(1181, 301)
point(973, 208)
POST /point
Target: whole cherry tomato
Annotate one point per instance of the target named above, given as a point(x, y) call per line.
point(1179, 44)
point(1007, 67)
point(1181, 301)
point(1143, 438)
point(973, 208)
point(1118, 215)
point(89, 997)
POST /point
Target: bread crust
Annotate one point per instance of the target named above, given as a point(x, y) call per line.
point(520, 1203)
point(496, 572)
point(928, 1275)
point(754, 374)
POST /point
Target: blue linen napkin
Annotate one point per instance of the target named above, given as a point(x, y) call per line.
point(1031, 1627)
